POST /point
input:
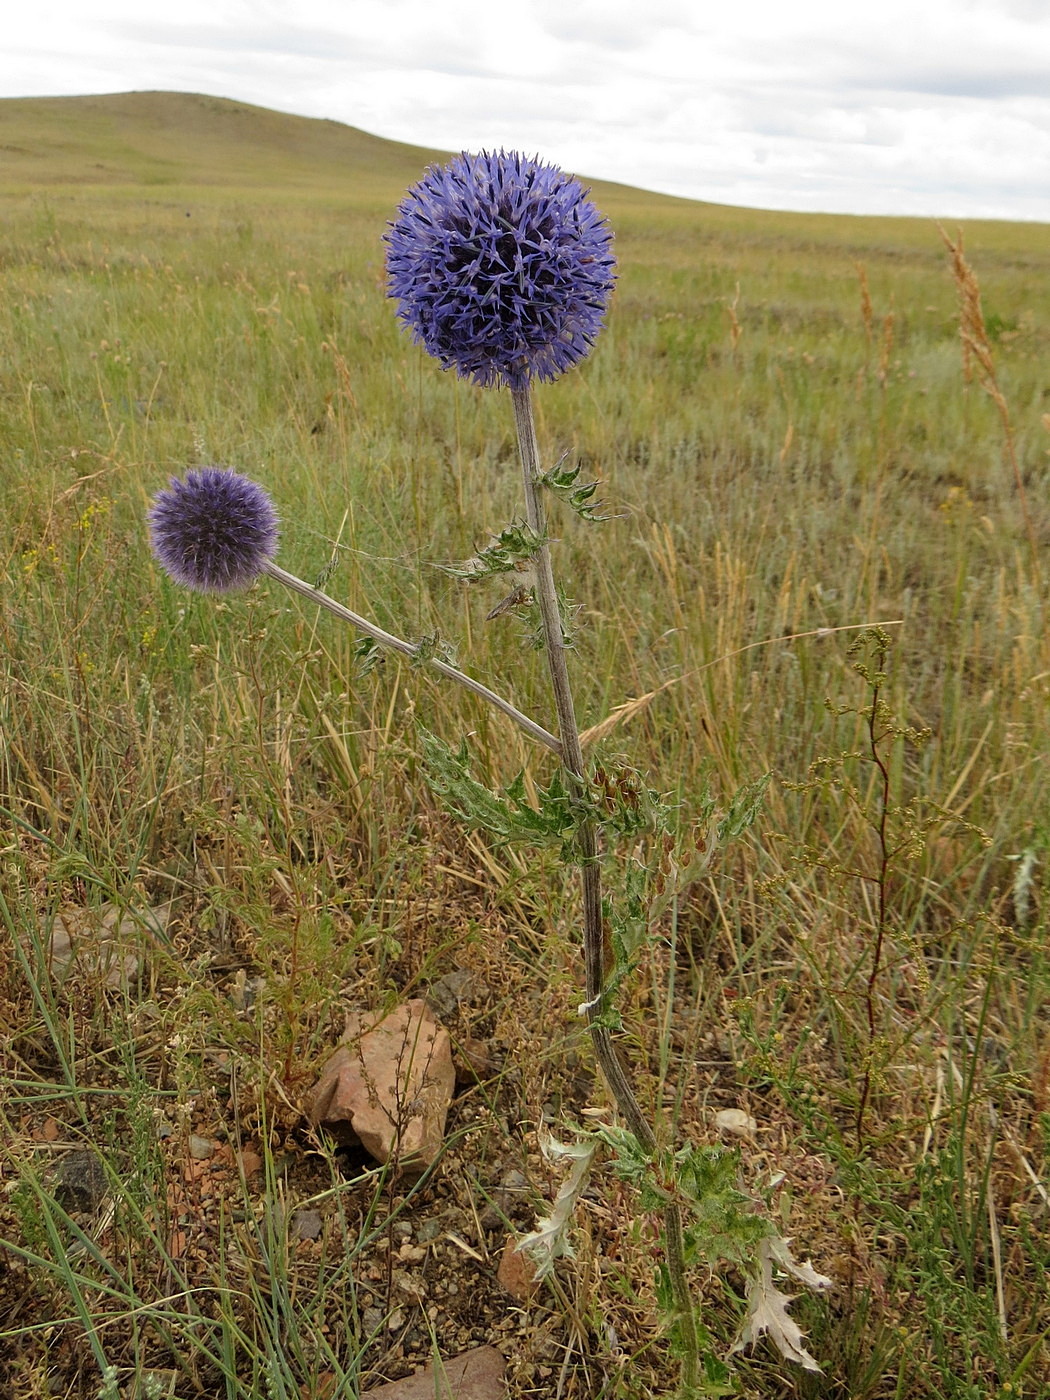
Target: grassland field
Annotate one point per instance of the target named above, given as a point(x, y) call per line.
point(792, 445)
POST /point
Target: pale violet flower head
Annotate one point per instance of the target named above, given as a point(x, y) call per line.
point(215, 531)
point(502, 268)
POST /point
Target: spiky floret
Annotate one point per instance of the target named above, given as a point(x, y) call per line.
point(502, 267)
point(214, 531)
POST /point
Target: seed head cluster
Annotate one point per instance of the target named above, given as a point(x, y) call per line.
point(502, 267)
point(215, 531)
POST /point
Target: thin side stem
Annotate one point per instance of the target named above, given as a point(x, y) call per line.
point(596, 950)
point(387, 639)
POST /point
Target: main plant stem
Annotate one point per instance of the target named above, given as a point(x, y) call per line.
point(597, 953)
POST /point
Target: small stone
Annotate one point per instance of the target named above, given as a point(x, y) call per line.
point(106, 943)
point(429, 1231)
point(491, 1217)
point(513, 1193)
point(450, 991)
point(306, 1224)
point(735, 1120)
point(251, 1162)
point(80, 1183)
point(201, 1148)
point(475, 1061)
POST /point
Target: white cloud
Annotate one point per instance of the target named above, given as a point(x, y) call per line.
point(942, 107)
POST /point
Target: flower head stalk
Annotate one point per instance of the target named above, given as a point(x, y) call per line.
point(217, 531)
point(502, 268)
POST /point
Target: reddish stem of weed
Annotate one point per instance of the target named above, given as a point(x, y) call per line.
point(874, 739)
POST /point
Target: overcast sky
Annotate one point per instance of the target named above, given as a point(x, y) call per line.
point(933, 107)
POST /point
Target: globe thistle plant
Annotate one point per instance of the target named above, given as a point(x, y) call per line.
point(215, 531)
point(502, 268)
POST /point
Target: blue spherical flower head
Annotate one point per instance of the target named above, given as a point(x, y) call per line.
point(215, 531)
point(502, 267)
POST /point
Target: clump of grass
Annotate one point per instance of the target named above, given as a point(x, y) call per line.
point(978, 360)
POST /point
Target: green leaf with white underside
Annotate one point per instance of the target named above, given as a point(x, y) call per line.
point(506, 815)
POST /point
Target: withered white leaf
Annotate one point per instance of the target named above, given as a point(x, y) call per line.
point(550, 1239)
point(767, 1312)
point(805, 1273)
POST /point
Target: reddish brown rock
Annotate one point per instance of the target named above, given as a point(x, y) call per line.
point(517, 1272)
point(388, 1087)
point(475, 1375)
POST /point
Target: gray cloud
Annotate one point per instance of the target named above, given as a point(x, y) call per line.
point(328, 45)
point(441, 53)
point(600, 26)
point(955, 82)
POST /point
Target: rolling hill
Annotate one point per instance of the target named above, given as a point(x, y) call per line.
point(180, 139)
point(176, 138)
